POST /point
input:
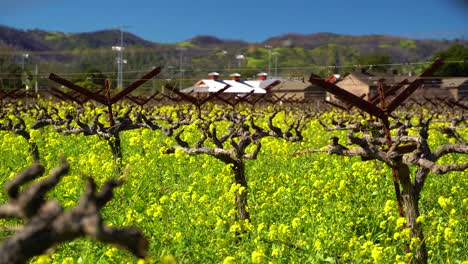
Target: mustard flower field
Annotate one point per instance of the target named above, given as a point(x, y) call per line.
point(304, 207)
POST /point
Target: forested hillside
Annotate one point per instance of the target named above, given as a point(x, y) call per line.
point(290, 54)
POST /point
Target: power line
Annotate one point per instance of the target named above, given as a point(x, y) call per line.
point(280, 68)
point(45, 77)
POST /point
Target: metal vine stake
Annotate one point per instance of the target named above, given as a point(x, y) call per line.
point(108, 101)
point(194, 100)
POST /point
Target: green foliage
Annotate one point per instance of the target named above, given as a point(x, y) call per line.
point(373, 62)
point(408, 44)
point(11, 78)
point(92, 79)
point(186, 44)
point(54, 36)
point(253, 62)
point(459, 55)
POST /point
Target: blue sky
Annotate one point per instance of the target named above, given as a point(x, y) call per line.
point(253, 21)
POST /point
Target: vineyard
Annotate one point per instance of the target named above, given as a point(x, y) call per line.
point(246, 181)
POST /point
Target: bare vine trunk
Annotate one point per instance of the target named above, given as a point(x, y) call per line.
point(241, 198)
point(410, 202)
point(48, 224)
point(34, 150)
point(116, 150)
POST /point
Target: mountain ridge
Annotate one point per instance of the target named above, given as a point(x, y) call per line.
point(291, 52)
point(40, 40)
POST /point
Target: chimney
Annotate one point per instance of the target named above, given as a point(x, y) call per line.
point(262, 76)
point(235, 77)
point(213, 75)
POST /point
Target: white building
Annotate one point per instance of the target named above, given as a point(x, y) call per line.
point(235, 84)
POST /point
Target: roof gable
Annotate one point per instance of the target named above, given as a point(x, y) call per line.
point(212, 86)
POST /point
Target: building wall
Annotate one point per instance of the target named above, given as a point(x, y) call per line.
point(290, 89)
point(462, 93)
point(433, 92)
point(314, 93)
point(359, 87)
point(353, 85)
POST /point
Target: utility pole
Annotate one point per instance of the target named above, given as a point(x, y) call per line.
point(171, 72)
point(276, 54)
point(120, 59)
point(239, 58)
point(154, 81)
point(227, 58)
point(23, 57)
point(36, 85)
point(181, 70)
point(269, 58)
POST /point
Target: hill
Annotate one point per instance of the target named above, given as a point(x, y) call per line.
point(293, 53)
point(40, 40)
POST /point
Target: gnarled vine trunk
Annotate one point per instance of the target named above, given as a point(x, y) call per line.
point(241, 198)
point(410, 203)
point(46, 223)
point(116, 149)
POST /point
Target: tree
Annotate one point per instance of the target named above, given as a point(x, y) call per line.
point(12, 79)
point(456, 58)
point(92, 79)
point(376, 62)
